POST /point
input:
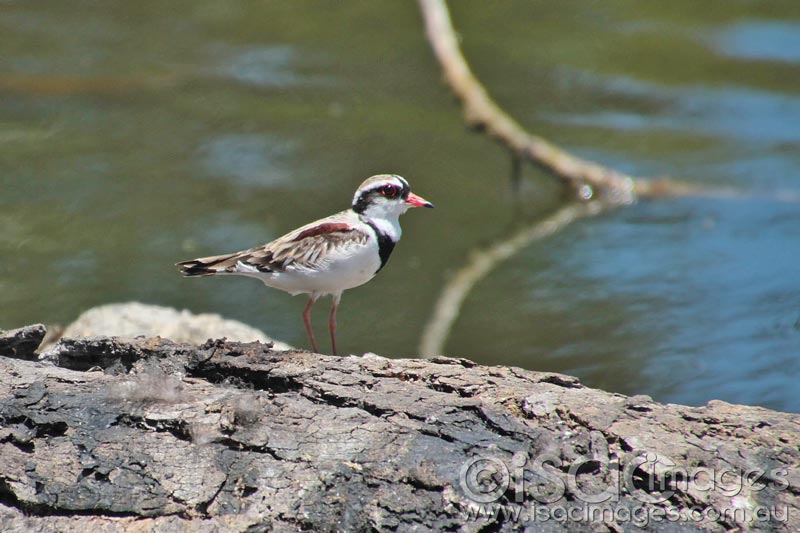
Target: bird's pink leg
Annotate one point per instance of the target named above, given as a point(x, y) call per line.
point(307, 321)
point(332, 321)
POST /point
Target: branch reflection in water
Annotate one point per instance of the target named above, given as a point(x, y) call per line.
point(483, 260)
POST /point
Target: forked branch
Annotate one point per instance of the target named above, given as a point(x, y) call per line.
point(586, 178)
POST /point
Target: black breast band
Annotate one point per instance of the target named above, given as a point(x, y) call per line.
point(385, 243)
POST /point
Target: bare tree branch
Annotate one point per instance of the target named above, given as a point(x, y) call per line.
point(586, 178)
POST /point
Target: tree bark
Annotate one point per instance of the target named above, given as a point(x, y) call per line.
point(108, 434)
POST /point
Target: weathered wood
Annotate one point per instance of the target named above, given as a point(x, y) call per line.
point(136, 435)
point(22, 343)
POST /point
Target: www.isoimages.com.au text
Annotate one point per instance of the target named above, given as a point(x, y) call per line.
point(639, 516)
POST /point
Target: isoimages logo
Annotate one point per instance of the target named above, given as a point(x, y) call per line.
point(646, 476)
point(485, 479)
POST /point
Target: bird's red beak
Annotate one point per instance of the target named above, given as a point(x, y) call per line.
point(417, 201)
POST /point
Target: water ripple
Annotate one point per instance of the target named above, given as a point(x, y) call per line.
point(762, 40)
point(247, 159)
point(733, 112)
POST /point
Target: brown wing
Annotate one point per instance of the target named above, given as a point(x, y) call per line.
point(303, 247)
point(307, 246)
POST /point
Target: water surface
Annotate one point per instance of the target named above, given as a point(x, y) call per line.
point(134, 135)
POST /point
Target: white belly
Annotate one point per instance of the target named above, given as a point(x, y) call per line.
point(339, 271)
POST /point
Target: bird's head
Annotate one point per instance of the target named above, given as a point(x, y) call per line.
point(386, 196)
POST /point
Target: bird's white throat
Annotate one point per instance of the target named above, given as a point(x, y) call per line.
point(387, 221)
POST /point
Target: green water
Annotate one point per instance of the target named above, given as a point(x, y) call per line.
point(137, 134)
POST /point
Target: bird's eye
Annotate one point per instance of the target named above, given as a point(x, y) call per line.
point(389, 191)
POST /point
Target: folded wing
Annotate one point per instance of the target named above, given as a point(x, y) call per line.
point(307, 247)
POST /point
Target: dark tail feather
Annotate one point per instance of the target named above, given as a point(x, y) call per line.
point(206, 266)
point(195, 268)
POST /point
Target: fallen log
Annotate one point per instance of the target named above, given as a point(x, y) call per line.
point(111, 434)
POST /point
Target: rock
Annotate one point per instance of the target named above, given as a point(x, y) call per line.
point(22, 343)
point(239, 437)
point(133, 319)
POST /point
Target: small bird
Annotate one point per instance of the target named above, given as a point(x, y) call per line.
point(327, 256)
